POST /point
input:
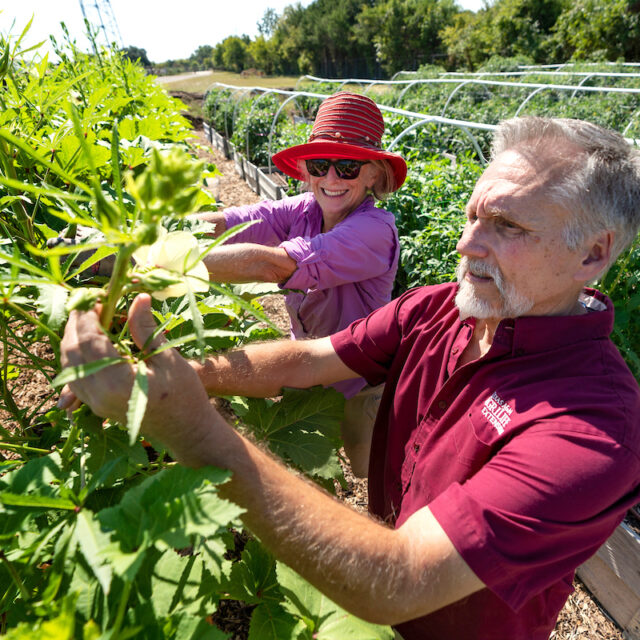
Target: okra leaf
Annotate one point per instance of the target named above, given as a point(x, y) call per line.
point(77, 372)
point(253, 579)
point(325, 619)
point(91, 540)
point(137, 402)
point(270, 621)
point(34, 501)
point(51, 302)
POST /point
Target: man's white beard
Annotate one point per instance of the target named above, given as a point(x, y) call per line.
point(512, 304)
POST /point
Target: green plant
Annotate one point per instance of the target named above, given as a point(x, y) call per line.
point(255, 124)
point(102, 535)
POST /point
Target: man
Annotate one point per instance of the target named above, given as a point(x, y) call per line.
point(507, 445)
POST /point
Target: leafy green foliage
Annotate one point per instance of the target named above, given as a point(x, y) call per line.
point(429, 213)
point(218, 108)
point(303, 427)
point(289, 607)
point(254, 125)
point(356, 39)
point(101, 534)
point(322, 617)
point(404, 31)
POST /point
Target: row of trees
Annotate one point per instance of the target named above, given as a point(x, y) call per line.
point(376, 38)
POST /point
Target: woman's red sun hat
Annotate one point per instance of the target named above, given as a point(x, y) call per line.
point(348, 125)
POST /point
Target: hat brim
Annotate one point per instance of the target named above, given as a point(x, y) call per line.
point(287, 159)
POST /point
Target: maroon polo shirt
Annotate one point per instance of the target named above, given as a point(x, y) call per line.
point(528, 457)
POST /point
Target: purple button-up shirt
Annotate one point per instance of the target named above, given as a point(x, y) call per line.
point(341, 275)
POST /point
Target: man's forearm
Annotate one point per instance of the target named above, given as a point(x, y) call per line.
point(263, 370)
point(383, 575)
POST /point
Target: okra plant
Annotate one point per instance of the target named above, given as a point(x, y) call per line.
point(102, 535)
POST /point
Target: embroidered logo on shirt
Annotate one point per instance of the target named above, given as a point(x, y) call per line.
point(497, 412)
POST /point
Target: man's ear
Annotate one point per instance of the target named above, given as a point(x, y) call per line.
point(595, 257)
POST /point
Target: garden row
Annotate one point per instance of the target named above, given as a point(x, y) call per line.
point(101, 534)
point(445, 158)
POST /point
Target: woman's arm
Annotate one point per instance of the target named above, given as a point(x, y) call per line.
point(249, 262)
point(244, 262)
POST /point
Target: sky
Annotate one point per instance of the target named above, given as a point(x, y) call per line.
point(167, 29)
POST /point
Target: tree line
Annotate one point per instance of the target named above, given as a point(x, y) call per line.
point(376, 38)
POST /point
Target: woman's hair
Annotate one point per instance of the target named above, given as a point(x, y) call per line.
point(386, 182)
point(383, 186)
point(600, 187)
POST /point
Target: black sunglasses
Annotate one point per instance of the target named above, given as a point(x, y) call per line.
point(345, 169)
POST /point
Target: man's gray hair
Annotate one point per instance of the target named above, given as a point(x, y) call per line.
point(600, 187)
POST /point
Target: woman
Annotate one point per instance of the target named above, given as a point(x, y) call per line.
point(331, 248)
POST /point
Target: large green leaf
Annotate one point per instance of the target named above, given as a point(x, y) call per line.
point(316, 409)
point(253, 579)
point(175, 583)
point(34, 501)
point(304, 427)
point(51, 303)
point(91, 539)
point(325, 619)
point(271, 621)
point(171, 506)
point(195, 628)
point(35, 481)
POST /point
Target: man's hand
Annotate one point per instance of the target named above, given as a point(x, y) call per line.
point(178, 411)
point(383, 575)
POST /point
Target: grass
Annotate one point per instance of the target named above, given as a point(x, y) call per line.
point(200, 81)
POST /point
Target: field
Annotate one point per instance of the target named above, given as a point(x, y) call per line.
point(103, 534)
point(200, 81)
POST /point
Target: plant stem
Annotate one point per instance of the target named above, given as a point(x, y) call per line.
point(20, 447)
point(18, 207)
point(7, 395)
point(16, 578)
point(116, 284)
point(83, 478)
point(122, 607)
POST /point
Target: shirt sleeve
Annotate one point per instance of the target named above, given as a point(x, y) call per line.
point(272, 221)
point(359, 248)
point(539, 508)
point(368, 346)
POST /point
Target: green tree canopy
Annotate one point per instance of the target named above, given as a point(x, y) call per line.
point(405, 33)
point(597, 30)
point(232, 53)
point(373, 38)
point(136, 53)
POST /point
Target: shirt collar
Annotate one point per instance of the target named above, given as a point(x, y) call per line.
point(535, 334)
point(542, 333)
